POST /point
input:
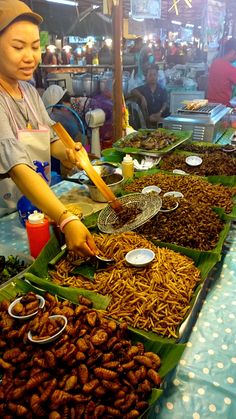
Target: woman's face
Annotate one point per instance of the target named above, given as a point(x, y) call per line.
point(20, 51)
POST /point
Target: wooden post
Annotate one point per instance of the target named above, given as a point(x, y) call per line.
point(117, 22)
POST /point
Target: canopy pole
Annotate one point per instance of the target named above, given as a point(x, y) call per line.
point(117, 22)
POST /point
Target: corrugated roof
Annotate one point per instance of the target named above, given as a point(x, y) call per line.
point(61, 18)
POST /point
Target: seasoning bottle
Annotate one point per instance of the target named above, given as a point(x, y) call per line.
point(37, 227)
point(127, 166)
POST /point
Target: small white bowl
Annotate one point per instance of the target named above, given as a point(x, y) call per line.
point(139, 257)
point(229, 150)
point(193, 160)
point(51, 338)
point(171, 209)
point(12, 305)
point(179, 172)
point(151, 188)
point(176, 194)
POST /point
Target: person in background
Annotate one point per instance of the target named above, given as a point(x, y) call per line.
point(143, 57)
point(64, 57)
point(105, 54)
point(158, 51)
point(152, 98)
point(222, 75)
point(26, 129)
point(56, 95)
point(57, 102)
point(49, 58)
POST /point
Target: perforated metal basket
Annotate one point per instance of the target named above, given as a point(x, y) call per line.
point(149, 204)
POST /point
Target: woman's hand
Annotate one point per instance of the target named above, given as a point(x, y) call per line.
point(79, 239)
point(78, 156)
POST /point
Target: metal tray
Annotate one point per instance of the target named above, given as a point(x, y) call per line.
point(181, 136)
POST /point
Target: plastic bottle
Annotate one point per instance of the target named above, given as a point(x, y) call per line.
point(25, 208)
point(127, 166)
point(38, 233)
point(24, 205)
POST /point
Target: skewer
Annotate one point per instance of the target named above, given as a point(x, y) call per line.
point(84, 162)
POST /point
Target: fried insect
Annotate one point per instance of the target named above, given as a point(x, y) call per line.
point(108, 379)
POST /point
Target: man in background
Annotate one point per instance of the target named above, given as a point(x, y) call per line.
point(152, 98)
point(222, 75)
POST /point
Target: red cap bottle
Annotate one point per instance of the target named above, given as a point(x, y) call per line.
point(38, 232)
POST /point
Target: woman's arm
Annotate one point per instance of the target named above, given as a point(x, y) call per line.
point(32, 185)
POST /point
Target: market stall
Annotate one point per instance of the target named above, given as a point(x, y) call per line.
point(209, 351)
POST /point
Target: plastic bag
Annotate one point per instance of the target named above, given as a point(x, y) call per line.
point(161, 78)
point(189, 84)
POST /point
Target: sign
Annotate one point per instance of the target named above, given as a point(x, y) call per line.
point(44, 40)
point(146, 9)
point(216, 11)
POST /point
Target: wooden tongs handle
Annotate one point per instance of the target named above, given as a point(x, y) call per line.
point(83, 160)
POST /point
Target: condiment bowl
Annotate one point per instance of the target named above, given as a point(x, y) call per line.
point(193, 160)
point(230, 149)
point(151, 188)
point(17, 300)
point(43, 341)
point(175, 194)
point(139, 257)
point(179, 172)
point(170, 209)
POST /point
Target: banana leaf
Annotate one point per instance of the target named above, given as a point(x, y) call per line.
point(169, 352)
point(166, 348)
point(86, 270)
point(204, 260)
point(15, 287)
point(181, 136)
point(100, 302)
point(91, 220)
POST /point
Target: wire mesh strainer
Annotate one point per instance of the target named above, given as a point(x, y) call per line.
point(149, 204)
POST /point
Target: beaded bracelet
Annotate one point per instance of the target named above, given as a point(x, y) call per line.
point(63, 213)
point(67, 220)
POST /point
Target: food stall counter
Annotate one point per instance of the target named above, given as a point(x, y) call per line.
point(203, 384)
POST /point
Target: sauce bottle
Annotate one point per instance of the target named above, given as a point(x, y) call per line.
point(127, 166)
point(37, 227)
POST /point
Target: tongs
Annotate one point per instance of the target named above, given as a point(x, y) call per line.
point(87, 166)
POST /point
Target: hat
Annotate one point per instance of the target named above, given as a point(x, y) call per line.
point(52, 95)
point(11, 9)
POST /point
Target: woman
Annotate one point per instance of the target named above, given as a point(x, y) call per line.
point(26, 130)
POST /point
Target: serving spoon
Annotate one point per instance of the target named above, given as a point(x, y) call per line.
point(100, 258)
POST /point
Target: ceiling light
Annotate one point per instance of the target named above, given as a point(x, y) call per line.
point(176, 22)
point(189, 25)
point(66, 2)
point(137, 19)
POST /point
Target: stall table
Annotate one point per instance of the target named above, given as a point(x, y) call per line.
point(203, 384)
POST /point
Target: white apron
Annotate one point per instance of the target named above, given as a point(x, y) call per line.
point(36, 143)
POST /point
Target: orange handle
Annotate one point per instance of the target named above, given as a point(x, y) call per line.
point(83, 160)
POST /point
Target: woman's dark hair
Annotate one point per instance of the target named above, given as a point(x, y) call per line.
point(151, 67)
point(65, 98)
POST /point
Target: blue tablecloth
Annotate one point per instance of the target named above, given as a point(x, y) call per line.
point(13, 235)
point(204, 383)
